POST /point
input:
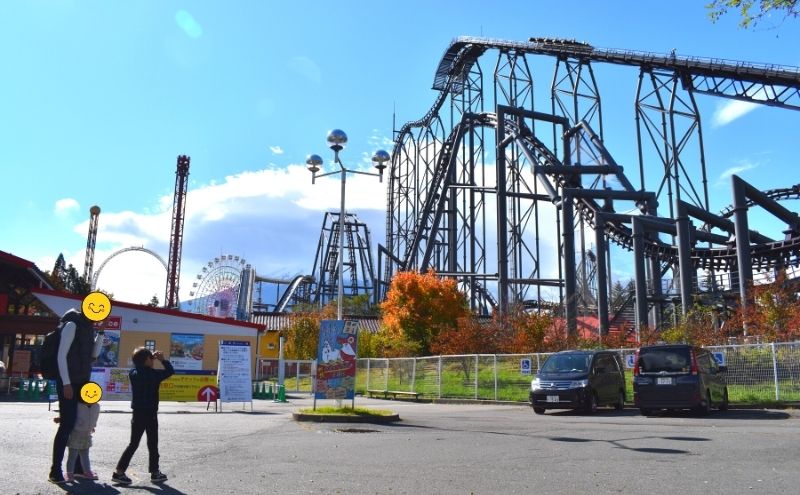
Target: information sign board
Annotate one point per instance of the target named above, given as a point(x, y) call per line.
point(235, 371)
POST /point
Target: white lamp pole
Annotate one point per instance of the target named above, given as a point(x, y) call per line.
point(336, 141)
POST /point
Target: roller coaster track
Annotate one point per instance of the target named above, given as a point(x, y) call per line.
point(291, 290)
point(766, 84)
point(420, 188)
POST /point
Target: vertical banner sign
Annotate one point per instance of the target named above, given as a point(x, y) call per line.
point(234, 372)
point(336, 359)
point(186, 351)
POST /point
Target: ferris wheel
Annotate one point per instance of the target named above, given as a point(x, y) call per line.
point(215, 292)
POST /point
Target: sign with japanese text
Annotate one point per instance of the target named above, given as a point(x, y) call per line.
point(235, 378)
point(186, 351)
point(183, 386)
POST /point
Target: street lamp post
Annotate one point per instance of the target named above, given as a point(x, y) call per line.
point(336, 141)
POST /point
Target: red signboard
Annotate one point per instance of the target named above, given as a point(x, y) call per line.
point(110, 323)
point(209, 393)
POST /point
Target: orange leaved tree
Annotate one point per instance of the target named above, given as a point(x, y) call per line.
point(417, 309)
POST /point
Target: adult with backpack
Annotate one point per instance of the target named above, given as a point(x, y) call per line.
point(78, 347)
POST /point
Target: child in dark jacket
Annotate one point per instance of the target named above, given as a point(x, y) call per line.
point(145, 382)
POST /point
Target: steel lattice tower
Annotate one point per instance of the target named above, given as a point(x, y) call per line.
point(359, 277)
point(91, 239)
point(176, 238)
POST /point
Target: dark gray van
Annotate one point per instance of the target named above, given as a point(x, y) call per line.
point(579, 380)
point(678, 376)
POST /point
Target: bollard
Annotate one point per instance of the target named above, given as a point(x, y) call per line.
point(51, 390)
point(269, 395)
point(31, 393)
point(21, 391)
point(281, 394)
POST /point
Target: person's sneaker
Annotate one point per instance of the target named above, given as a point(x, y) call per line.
point(158, 477)
point(69, 477)
point(120, 478)
point(57, 478)
point(89, 475)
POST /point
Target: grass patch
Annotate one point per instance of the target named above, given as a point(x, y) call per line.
point(346, 411)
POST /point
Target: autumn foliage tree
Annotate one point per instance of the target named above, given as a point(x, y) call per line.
point(773, 313)
point(417, 309)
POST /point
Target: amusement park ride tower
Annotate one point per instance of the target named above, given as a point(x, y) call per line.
point(176, 238)
point(91, 240)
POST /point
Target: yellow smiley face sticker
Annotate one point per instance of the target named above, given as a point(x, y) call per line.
point(91, 393)
point(96, 306)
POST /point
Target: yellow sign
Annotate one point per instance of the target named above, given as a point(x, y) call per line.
point(187, 386)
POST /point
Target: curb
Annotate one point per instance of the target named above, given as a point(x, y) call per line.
point(345, 418)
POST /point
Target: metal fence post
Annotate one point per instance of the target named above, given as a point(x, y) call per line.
point(775, 370)
point(495, 375)
point(439, 377)
point(367, 385)
point(386, 376)
point(476, 376)
point(414, 376)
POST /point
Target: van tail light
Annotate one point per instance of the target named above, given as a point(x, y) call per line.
point(636, 363)
point(694, 361)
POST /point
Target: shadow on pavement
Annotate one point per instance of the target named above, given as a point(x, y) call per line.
point(89, 487)
point(738, 414)
point(748, 414)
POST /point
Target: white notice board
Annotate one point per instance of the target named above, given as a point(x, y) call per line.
point(234, 372)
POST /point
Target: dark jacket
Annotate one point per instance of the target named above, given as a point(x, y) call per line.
point(79, 357)
point(144, 385)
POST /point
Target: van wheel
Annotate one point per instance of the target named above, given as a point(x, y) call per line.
point(591, 404)
point(538, 410)
point(705, 406)
point(724, 405)
point(646, 411)
point(620, 405)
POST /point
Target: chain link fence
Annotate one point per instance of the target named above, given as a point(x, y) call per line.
point(757, 373)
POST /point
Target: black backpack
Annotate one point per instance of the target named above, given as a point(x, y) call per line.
point(48, 355)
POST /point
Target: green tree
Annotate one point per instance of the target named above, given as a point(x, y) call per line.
point(752, 11)
point(75, 283)
point(154, 303)
point(302, 336)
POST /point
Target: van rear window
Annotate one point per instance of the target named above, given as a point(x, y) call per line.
point(670, 360)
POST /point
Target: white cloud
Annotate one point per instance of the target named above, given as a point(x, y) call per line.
point(276, 150)
point(734, 109)
point(306, 68)
point(64, 207)
point(725, 175)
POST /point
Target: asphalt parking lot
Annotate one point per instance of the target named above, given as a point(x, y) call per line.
point(435, 448)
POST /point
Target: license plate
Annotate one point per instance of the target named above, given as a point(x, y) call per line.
point(552, 398)
point(664, 381)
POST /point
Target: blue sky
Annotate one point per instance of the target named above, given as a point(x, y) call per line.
point(99, 98)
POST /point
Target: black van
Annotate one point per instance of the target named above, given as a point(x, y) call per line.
point(678, 376)
point(579, 380)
